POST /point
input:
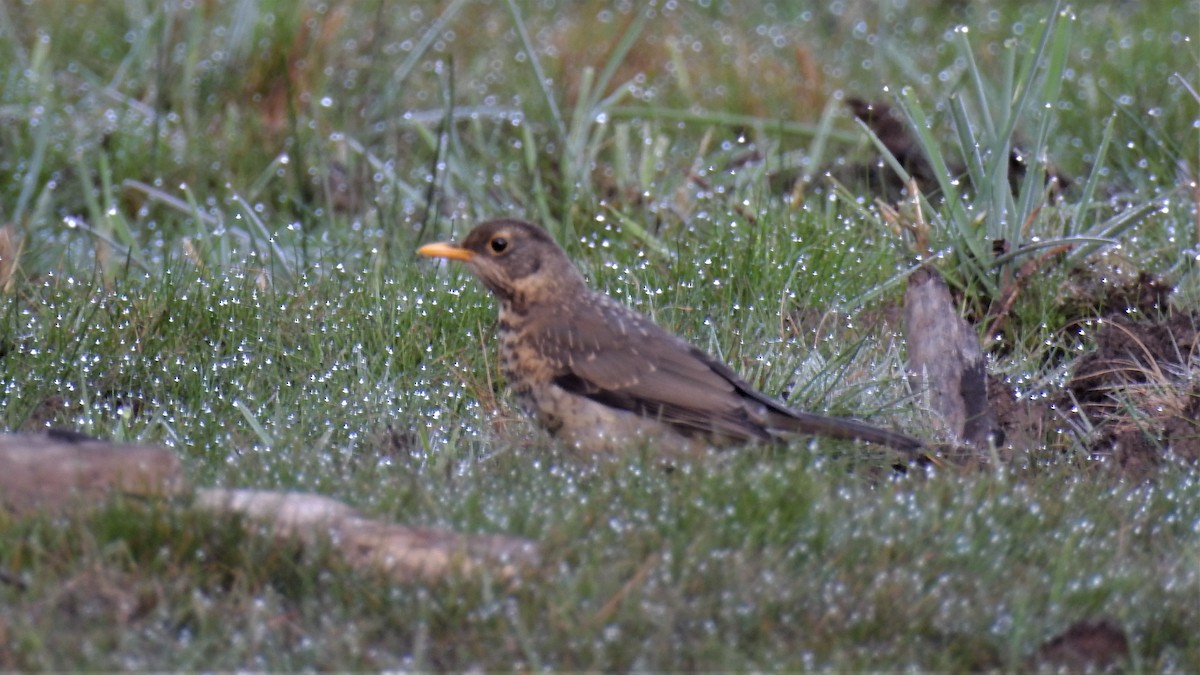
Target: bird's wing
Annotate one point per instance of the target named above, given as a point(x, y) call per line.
point(622, 359)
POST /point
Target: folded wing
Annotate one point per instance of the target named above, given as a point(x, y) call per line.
point(622, 359)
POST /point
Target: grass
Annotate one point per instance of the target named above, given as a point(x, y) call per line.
point(210, 247)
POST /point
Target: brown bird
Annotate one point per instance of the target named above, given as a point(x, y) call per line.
point(601, 376)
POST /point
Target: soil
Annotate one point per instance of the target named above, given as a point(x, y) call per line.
point(1085, 646)
point(1022, 422)
point(1140, 390)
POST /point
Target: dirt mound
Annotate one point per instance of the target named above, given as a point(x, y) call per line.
point(1140, 391)
point(1085, 646)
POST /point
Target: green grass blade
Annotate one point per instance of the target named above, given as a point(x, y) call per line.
point(29, 181)
point(707, 119)
point(968, 141)
point(1087, 194)
point(402, 72)
point(264, 436)
point(282, 265)
point(535, 61)
point(985, 112)
point(628, 39)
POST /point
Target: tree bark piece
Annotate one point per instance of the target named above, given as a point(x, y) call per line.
point(945, 360)
point(61, 471)
point(404, 553)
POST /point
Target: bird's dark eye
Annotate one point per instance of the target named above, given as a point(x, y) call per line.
point(499, 244)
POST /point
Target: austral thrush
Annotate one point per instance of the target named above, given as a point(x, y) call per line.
point(601, 376)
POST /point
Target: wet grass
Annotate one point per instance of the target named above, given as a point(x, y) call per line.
point(201, 253)
point(769, 562)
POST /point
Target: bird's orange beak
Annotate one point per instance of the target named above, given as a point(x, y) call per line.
point(445, 249)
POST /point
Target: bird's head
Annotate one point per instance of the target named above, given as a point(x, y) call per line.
point(518, 261)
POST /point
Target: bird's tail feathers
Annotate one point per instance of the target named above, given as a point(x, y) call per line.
point(834, 427)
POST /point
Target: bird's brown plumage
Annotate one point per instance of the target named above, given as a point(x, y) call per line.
point(601, 375)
